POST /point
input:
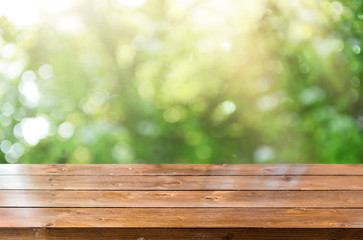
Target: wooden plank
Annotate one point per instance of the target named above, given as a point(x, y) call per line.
point(201, 199)
point(180, 218)
point(182, 169)
point(180, 233)
point(149, 183)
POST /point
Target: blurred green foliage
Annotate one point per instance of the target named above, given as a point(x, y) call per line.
point(135, 81)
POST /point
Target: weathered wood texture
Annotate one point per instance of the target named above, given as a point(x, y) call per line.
point(183, 169)
point(186, 183)
point(181, 201)
point(192, 199)
point(181, 217)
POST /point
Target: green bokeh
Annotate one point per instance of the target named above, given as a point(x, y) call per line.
point(183, 82)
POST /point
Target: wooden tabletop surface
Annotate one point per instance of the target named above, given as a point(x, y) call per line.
point(148, 201)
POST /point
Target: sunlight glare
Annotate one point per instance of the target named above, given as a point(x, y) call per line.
point(34, 129)
point(26, 13)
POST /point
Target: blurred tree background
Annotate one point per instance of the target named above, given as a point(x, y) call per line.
point(181, 81)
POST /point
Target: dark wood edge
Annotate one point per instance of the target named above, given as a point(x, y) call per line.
point(180, 233)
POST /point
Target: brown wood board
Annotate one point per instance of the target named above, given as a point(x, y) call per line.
point(201, 199)
point(182, 169)
point(191, 183)
point(140, 201)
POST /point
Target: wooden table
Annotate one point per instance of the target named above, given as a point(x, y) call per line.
point(181, 202)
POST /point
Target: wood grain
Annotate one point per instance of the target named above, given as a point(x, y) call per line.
point(169, 199)
point(180, 218)
point(181, 201)
point(182, 169)
point(148, 183)
point(181, 233)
